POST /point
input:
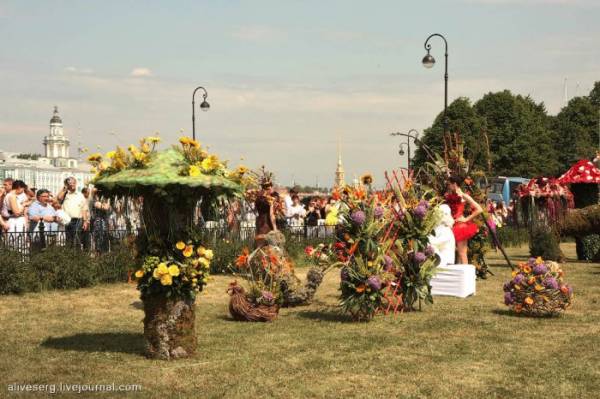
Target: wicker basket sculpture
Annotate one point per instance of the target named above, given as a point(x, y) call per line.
point(242, 309)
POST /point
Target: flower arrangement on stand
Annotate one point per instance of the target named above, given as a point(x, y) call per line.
point(168, 286)
point(360, 252)
point(537, 288)
point(414, 261)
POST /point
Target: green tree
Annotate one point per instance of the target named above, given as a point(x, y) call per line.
point(462, 119)
point(521, 139)
point(576, 127)
point(595, 94)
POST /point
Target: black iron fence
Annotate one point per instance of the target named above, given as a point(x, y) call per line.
point(103, 240)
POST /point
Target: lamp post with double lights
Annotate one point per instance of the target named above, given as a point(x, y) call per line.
point(204, 106)
point(409, 137)
point(429, 62)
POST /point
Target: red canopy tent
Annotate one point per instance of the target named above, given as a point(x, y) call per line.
point(583, 171)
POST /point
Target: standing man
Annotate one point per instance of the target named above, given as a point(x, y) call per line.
point(76, 206)
point(41, 212)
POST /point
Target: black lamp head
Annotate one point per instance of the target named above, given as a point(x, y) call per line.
point(204, 106)
point(428, 60)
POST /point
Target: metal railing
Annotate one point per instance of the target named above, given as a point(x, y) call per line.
point(104, 239)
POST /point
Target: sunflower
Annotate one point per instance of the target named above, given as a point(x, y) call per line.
point(153, 139)
point(95, 158)
point(367, 179)
point(185, 140)
point(180, 245)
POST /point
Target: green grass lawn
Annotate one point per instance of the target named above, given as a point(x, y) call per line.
point(457, 348)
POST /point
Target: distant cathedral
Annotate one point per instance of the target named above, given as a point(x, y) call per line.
point(340, 180)
point(56, 145)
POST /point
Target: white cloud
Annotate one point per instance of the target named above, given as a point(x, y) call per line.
point(258, 33)
point(140, 72)
point(79, 71)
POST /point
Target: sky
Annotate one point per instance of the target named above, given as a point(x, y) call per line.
point(286, 79)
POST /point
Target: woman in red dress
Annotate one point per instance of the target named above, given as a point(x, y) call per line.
point(464, 229)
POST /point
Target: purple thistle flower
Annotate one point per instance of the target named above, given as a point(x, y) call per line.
point(344, 276)
point(518, 278)
point(419, 257)
point(378, 212)
point(358, 217)
point(540, 269)
point(550, 282)
point(420, 211)
point(531, 262)
point(374, 282)
point(429, 251)
point(268, 296)
point(388, 262)
point(424, 204)
point(508, 298)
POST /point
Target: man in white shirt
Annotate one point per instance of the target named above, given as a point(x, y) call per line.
point(76, 206)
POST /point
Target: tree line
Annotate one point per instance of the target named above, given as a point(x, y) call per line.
point(508, 134)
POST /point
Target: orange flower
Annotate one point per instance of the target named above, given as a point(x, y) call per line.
point(188, 251)
point(242, 260)
point(564, 289)
point(273, 259)
point(527, 269)
point(518, 308)
point(529, 301)
point(539, 287)
point(531, 281)
point(361, 288)
point(335, 195)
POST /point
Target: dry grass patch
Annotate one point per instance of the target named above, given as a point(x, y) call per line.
point(469, 348)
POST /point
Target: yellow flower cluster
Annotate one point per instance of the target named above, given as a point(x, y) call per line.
point(189, 272)
point(119, 159)
point(198, 159)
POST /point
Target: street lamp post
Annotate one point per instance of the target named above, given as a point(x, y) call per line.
point(204, 106)
point(428, 62)
point(408, 138)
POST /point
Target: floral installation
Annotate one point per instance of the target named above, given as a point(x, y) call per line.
point(120, 159)
point(180, 275)
point(537, 288)
point(263, 270)
point(413, 260)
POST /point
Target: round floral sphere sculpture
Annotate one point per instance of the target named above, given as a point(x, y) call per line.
point(537, 288)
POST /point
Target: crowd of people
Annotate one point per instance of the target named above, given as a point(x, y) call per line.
point(25, 209)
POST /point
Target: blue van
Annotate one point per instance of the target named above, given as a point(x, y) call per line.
point(502, 188)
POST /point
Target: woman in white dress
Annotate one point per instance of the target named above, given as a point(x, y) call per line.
point(16, 202)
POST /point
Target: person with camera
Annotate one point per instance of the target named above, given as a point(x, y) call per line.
point(76, 206)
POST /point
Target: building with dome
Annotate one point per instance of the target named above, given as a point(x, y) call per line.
point(50, 169)
point(56, 144)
